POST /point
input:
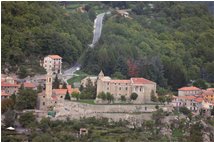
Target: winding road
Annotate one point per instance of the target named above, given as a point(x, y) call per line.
point(98, 24)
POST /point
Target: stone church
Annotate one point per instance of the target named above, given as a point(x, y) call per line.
point(143, 87)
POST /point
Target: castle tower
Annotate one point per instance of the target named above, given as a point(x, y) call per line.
point(48, 90)
point(101, 75)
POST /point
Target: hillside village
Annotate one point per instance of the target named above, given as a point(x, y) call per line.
point(112, 96)
point(117, 88)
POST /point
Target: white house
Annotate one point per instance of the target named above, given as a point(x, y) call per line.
point(54, 63)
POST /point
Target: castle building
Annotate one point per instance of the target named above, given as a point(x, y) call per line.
point(141, 86)
point(54, 63)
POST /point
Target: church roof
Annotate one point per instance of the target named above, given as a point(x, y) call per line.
point(141, 81)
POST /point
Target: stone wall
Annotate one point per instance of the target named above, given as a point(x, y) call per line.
point(75, 110)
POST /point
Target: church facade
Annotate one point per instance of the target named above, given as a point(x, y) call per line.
point(142, 87)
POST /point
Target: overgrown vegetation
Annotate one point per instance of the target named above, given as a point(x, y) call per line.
point(32, 30)
point(167, 42)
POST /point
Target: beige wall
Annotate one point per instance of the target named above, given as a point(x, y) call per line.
point(126, 89)
point(183, 93)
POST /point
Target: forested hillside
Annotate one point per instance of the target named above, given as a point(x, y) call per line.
point(168, 42)
point(32, 30)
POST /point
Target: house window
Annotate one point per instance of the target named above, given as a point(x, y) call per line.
point(60, 96)
point(49, 79)
point(145, 108)
point(140, 89)
point(126, 88)
point(107, 88)
point(120, 88)
point(43, 96)
point(43, 103)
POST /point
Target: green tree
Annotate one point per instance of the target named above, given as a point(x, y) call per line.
point(200, 83)
point(122, 98)
point(22, 72)
point(109, 97)
point(162, 99)
point(118, 75)
point(102, 96)
point(89, 92)
point(133, 96)
point(67, 96)
point(153, 96)
point(64, 86)
point(39, 88)
point(75, 95)
point(7, 104)
point(10, 117)
point(26, 99)
point(27, 119)
point(56, 82)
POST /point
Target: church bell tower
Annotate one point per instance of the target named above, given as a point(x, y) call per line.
point(48, 90)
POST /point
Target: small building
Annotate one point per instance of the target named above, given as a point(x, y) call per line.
point(9, 88)
point(54, 63)
point(192, 90)
point(208, 95)
point(29, 85)
point(4, 95)
point(83, 131)
point(123, 13)
point(187, 101)
point(86, 80)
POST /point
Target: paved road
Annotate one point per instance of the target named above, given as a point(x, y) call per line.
point(98, 23)
point(67, 74)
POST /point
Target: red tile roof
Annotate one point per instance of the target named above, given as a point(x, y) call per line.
point(192, 88)
point(199, 100)
point(60, 91)
point(4, 84)
point(186, 97)
point(206, 92)
point(29, 85)
point(55, 56)
point(210, 89)
point(4, 94)
point(141, 81)
point(54, 98)
point(120, 81)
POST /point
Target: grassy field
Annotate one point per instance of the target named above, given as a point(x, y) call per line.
point(88, 101)
point(78, 76)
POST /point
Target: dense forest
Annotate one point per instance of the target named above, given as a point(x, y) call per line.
point(32, 30)
point(170, 43)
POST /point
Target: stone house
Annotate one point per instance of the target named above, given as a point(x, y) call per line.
point(143, 87)
point(189, 91)
point(85, 80)
point(53, 62)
